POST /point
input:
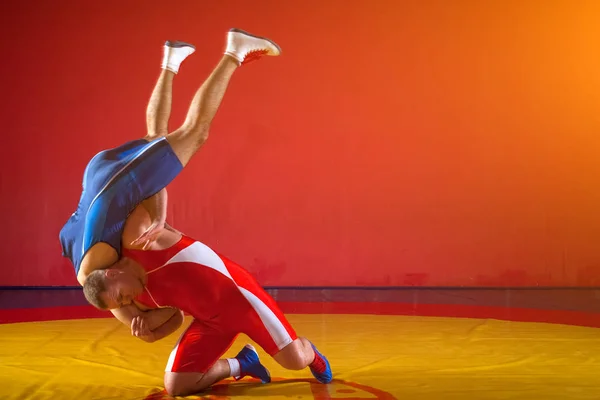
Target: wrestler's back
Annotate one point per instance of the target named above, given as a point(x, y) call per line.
point(192, 277)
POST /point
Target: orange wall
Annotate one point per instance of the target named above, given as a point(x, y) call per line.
point(393, 143)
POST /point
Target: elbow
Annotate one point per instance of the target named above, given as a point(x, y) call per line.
point(149, 338)
point(179, 317)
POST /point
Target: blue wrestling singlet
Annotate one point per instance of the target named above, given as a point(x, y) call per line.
point(115, 181)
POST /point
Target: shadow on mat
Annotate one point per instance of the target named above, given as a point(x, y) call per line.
point(281, 387)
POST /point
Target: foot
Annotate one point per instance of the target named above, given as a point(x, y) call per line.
point(320, 367)
point(174, 52)
point(250, 365)
point(245, 47)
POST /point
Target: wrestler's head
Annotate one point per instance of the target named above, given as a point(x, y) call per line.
point(113, 287)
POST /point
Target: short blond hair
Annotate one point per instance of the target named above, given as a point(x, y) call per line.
point(94, 286)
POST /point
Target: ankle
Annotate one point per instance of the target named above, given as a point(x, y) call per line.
point(235, 368)
point(174, 53)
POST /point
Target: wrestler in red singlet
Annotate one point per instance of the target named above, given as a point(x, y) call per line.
point(223, 298)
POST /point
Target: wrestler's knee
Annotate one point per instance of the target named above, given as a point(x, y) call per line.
point(203, 134)
point(196, 131)
point(174, 386)
point(182, 384)
point(186, 140)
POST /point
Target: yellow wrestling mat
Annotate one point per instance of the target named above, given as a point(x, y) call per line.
point(372, 357)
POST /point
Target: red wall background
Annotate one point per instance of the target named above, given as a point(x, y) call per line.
point(393, 143)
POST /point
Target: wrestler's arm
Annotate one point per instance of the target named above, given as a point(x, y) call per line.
point(169, 326)
point(157, 206)
point(100, 256)
point(160, 321)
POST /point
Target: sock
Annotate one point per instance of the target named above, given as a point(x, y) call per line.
point(234, 367)
point(173, 57)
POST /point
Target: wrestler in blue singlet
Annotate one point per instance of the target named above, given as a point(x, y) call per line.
point(115, 181)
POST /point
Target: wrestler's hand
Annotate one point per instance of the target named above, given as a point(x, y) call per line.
point(140, 329)
point(150, 235)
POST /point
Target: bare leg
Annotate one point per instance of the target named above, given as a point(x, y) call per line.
point(186, 383)
point(186, 140)
point(242, 47)
point(159, 106)
point(296, 355)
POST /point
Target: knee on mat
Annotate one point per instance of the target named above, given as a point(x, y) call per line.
point(180, 387)
point(173, 388)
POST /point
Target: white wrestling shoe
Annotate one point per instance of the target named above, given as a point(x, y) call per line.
point(174, 52)
point(246, 47)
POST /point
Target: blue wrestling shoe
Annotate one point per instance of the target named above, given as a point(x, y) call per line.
point(320, 367)
point(250, 365)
